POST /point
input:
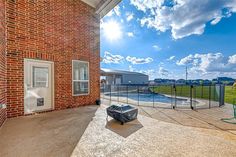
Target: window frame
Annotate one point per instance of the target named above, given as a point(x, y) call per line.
point(80, 61)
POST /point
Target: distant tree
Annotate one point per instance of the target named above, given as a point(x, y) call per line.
point(225, 82)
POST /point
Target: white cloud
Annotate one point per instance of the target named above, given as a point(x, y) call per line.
point(135, 60)
point(117, 10)
point(210, 62)
point(185, 60)
point(163, 72)
point(131, 68)
point(144, 5)
point(150, 72)
point(130, 34)
point(129, 16)
point(156, 47)
point(110, 13)
point(161, 64)
point(171, 58)
point(184, 17)
point(110, 58)
point(232, 59)
point(216, 20)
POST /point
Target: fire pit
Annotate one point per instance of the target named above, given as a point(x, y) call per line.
point(123, 113)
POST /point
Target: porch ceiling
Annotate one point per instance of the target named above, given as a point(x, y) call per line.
point(102, 6)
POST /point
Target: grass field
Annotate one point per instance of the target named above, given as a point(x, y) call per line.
point(202, 92)
point(230, 94)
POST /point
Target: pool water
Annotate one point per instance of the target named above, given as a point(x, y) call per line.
point(150, 97)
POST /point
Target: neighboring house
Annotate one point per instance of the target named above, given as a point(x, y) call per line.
point(49, 54)
point(115, 77)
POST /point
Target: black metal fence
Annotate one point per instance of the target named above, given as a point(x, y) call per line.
point(165, 96)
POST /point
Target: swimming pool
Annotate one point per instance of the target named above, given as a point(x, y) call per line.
point(150, 97)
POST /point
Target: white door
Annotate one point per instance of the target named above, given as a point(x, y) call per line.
point(38, 86)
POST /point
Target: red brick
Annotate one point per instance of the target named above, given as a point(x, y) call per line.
point(58, 31)
point(3, 113)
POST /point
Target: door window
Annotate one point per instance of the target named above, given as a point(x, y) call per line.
point(40, 77)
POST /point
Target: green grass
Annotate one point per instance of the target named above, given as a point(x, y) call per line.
point(200, 92)
point(230, 94)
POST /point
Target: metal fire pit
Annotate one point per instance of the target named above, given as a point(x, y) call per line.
point(124, 113)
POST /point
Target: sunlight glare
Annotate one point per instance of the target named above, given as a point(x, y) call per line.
point(112, 30)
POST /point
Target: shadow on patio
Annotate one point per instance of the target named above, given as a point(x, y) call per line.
point(124, 130)
point(48, 134)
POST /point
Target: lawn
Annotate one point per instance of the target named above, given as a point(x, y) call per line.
point(230, 94)
point(200, 92)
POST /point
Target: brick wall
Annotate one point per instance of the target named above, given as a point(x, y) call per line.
point(58, 31)
point(2, 62)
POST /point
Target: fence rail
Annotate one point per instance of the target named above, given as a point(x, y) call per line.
point(165, 96)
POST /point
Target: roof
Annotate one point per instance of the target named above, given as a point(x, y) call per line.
point(111, 71)
point(102, 7)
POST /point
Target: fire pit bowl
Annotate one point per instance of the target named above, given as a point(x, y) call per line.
point(123, 113)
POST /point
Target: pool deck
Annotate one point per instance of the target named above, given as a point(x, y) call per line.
point(201, 118)
point(149, 137)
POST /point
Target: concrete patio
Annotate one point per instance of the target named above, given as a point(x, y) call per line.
point(86, 132)
point(201, 118)
point(149, 137)
point(47, 134)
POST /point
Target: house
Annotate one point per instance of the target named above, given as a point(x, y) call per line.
point(164, 81)
point(49, 54)
point(116, 77)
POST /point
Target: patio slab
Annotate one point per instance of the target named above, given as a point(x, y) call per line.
point(202, 118)
point(149, 137)
point(47, 134)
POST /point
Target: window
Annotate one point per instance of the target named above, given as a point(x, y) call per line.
point(80, 83)
point(40, 77)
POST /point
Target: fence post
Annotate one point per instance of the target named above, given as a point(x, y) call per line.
point(153, 98)
point(118, 92)
point(222, 95)
point(127, 89)
point(195, 96)
point(171, 93)
point(209, 96)
point(138, 95)
point(110, 94)
point(175, 97)
point(191, 97)
point(202, 91)
point(214, 92)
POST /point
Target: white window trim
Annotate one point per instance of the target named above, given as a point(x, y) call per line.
point(79, 61)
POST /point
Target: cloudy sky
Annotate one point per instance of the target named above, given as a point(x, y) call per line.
point(162, 37)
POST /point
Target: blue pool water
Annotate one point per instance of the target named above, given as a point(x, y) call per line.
point(150, 97)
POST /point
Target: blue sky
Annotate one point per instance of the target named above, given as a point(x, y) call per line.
point(161, 37)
